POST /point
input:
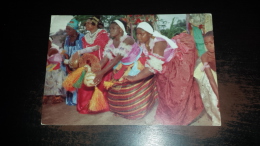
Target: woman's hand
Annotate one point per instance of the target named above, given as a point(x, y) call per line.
point(73, 58)
point(98, 78)
point(141, 75)
point(130, 78)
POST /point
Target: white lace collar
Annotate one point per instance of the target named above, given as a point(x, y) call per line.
point(91, 37)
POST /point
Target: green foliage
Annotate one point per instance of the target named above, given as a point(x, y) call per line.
point(82, 18)
point(106, 19)
point(174, 29)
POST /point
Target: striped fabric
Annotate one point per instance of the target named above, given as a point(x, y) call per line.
point(133, 100)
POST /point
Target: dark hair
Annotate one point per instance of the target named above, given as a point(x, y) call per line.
point(150, 24)
point(100, 25)
point(94, 19)
point(209, 33)
point(176, 34)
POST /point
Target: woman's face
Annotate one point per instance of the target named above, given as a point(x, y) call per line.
point(70, 31)
point(209, 43)
point(89, 25)
point(114, 30)
point(142, 35)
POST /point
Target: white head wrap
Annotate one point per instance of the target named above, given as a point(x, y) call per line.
point(121, 25)
point(147, 27)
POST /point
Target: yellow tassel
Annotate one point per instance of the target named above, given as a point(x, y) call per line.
point(98, 102)
point(71, 79)
point(108, 84)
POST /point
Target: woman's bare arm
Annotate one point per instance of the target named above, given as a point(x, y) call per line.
point(159, 48)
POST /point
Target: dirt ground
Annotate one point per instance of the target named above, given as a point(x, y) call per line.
point(62, 114)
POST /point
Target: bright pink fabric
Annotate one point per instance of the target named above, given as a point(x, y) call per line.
point(101, 40)
point(55, 58)
point(179, 96)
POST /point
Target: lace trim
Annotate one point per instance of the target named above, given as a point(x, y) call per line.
point(90, 38)
point(107, 50)
point(155, 63)
point(150, 69)
point(121, 50)
point(122, 38)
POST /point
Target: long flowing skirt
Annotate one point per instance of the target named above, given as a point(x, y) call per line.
point(53, 82)
point(85, 94)
point(179, 96)
point(208, 96)
point(133, 100)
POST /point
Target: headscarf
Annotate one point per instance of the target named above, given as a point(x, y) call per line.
point(147, 27)
point(73, 24)
point(121, 25)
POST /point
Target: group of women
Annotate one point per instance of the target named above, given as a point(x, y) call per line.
point(135, 74)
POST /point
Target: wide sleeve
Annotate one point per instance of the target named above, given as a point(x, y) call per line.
point(155, 63)
point(185, 54)
point(185, 42)
point(108, 50)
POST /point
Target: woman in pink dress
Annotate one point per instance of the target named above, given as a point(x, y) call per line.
point(172, 61)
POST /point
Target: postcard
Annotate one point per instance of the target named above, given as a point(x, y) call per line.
point(136, 69)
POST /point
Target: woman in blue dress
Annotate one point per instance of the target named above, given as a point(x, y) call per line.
point(73, 43)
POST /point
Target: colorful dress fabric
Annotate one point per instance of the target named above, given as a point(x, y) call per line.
point(71, 48)
point(130, 100)
point(208, 96)
point(100, 38)
point(54, 75)
point(179, 96)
